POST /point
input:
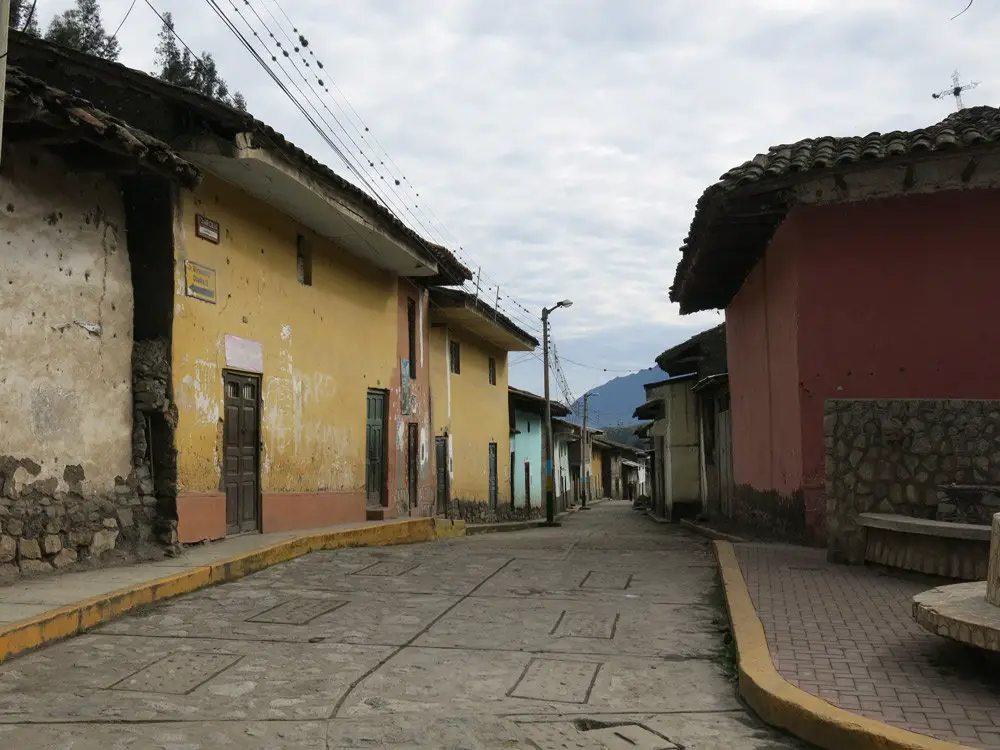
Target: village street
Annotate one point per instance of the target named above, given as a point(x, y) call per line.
point(596, 634)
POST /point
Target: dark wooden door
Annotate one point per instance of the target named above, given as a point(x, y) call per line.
point(441, 457)
point(375, 490)
point(413, 462)
point(241, 428)
point(494, 480)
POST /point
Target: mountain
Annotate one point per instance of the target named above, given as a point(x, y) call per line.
point(612, 404)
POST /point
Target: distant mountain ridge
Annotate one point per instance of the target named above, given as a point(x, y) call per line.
point(612, 404)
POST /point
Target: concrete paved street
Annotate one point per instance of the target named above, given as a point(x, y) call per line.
point(597, 634)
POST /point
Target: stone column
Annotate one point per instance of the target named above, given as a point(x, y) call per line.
point(993, 573)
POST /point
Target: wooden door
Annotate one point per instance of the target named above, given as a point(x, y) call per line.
point(375, 435)
point(513, 469)
point(724, 453)
point(494, 480)
point(413, 462)
point(241, 428)
point(441, 456)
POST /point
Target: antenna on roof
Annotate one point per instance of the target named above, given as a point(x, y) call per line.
point(956, 90)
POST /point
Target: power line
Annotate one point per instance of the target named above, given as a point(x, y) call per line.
point(351, 115)
point(124, 19)
point(340, 148)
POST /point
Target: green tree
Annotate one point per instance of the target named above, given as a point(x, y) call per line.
point(81, 28)
point(182, 68)
point(24, 17)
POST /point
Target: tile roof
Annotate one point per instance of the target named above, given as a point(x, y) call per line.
point(30, 101)
point(446, 297)
point(736, 217)
point(27, 50)
point(558, 408)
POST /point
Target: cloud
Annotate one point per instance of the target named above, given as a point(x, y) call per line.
point(563, 144)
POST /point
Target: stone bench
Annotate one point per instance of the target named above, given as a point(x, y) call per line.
point(951, 550)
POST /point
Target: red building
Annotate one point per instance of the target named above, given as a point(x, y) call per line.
point(848, 268)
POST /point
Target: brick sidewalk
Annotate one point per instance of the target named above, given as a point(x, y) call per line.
point(846, 635)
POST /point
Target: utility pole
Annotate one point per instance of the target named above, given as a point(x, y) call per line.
point(4, 42)
point(584, 455)
point(550, 488)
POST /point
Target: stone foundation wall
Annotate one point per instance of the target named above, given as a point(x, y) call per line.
point(472, 511)
point(892, 456)
point(46, 525)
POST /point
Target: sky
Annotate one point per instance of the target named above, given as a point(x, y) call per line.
point(563, 144)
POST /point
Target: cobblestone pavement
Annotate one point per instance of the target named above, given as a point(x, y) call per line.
point(598, 634)
point(846, 635)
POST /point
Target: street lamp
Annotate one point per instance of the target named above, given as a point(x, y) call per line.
point(550, 489)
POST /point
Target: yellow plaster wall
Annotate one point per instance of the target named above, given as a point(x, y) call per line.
point(473, 412)
point(324, 345)
point(597, 472)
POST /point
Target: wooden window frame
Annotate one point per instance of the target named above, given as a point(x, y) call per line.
point(455, 357)
point(493, 370)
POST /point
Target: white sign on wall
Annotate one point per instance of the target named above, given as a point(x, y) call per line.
point(244, 354)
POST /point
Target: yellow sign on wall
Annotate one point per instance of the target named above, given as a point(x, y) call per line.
point(200, 281)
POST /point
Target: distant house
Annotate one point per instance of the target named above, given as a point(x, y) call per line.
point(703, 356)
point(469, 343)
point(859, 267)
point(675, 471)
point(527, 420)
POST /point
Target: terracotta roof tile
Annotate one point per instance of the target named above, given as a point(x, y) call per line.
point(719, 252)
point(29, 99)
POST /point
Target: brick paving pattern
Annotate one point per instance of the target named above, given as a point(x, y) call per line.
point(846, 635)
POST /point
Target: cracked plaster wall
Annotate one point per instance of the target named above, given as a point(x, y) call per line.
point(65, 327)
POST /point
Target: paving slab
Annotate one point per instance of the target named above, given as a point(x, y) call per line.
point(847, 635)
point(545, 638)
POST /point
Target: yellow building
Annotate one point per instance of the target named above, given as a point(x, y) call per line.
point(469, 343)
point(295, 312)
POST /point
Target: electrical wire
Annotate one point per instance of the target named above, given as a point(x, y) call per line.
point(128, 13)
point(354, 119)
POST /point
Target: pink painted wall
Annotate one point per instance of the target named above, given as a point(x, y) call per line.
point(762, 331)
point(898, 300)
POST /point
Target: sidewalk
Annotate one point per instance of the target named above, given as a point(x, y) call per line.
point(846, 635)
point(25, 599)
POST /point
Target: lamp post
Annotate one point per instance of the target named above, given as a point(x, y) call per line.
point(585, 453)
point(550, 489)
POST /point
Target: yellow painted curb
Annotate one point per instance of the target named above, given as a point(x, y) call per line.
point(783, 705)
point(76, 618)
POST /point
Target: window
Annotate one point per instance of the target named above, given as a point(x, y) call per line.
point(493, 371)
point(303, 262)
point(411, 329)
point(455, 352)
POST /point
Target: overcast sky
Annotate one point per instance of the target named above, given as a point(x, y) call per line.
point(563, 143)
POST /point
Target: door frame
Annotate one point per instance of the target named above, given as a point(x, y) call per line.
point(259, 499)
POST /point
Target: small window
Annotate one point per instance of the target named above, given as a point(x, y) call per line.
point(493, 371)
point(455, 352)
point(411, 329)
point(303, 262)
